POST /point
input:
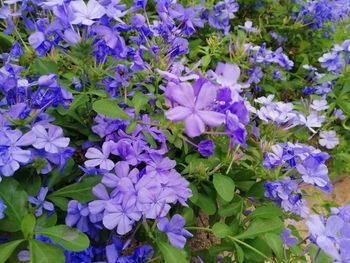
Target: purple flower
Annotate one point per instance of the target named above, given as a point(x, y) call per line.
point(121, 216)
point(188, 17)
point(248, 26)
point(51, 138)
point(227, 76)
point(79, 215)
point(206, 148)
point(328, 139)
point(86, 13)
point(174, 230)
point(2, 209)
point(11, 155)
point(288, 240)
point(332, 61)
point(121, 170)
point(100, 158)
point(98, 206)
point(191, 107)
point(325, 234)
point(40, 202)
point(313, 172)
point(40, 43)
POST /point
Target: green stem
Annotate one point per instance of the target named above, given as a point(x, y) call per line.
point(198, 228)
point(248, 246)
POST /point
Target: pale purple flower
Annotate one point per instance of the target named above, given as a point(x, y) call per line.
point(328, 139)
point(265, 100)
point(121, 216)
point(248, 26)
point(192, 107)
point(51, 138)
point(11, 155)
point(314, 120)
point(319, 105)
point(174, 229)
point(100, 158)
point(325, 234)
point(155, 202)
point(86, 13)
point(313, 172)
point(40, 202)
point(121, 170)
point(288, 240)
point(332, 61)
point(227, 75)
point(98, 206)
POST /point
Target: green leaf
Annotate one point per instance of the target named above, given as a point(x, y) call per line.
point(70, 238)
point(5, 42)
point(60, 202)
point(139, 100)
point(110, 108)
point(206, 60)
point(79, 191)
point(224, 186)
point(131, 127)
point(239, 253)
point(266, 212)
point(326, 78)
point(7, 249)
point(194, 197)
point(16, 201)
point(42, 66)
point(41, 252)
point(259, 227)
point(207, 204)
point(275, 243)
point(28, 224)
point(221, 230)
point(171, 254)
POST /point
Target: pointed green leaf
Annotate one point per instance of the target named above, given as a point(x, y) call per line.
point(275, 243)
point(171, 254)
point(110, 108)
point(28, 224)
point(16, 201)
point(70, 238)
point(7, 249)
point(221, 230)
point(259, 227)
point(41, 252)
point(79, 191)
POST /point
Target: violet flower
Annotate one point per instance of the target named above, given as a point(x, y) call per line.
point(328, 139)
point(121, 216)
point(40, 202)
point(174, 229)
point(86, 13)
point(100, 158)
point(51, 138)
point(192, 106)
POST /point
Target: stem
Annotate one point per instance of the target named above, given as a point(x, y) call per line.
point(248, 246)
point(198, 228)
point(153, 259)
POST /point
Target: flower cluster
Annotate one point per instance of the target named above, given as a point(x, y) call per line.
point(332, 234)
point(123, 122)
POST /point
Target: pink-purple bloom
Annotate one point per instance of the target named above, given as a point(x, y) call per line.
point(192, 106)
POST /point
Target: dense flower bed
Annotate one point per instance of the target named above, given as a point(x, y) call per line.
point(121, 122)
